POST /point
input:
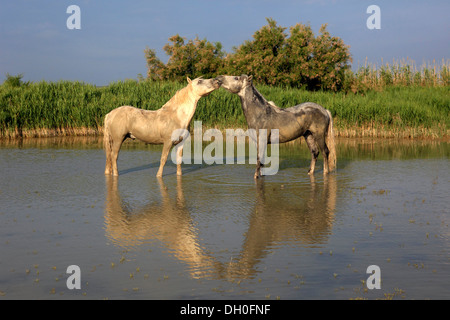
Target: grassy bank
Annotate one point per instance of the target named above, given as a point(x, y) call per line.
point(74, 108)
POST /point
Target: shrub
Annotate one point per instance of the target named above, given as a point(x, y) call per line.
point(273, 57)
point(192, 59)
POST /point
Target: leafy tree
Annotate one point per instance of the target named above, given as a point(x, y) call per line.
point(155, 67)
point(193, 59)
point(300, 58)
point(275, 57)
point(263, 57)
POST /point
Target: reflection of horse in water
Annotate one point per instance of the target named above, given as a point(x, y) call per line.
point(296, 215)
point(168, 221)
point(301, 215)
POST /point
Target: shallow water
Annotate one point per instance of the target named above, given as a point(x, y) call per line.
point(215, 233)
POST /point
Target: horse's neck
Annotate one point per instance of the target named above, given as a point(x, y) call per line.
point(252, 103)
point(186, 113)
point(183, 105)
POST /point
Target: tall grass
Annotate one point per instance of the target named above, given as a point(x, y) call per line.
point(398, 73)
point(394, 112)
point(68, 108)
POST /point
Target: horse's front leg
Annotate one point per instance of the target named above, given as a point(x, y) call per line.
point(165, 153)
point(179, 159)
point(258, 169)
point(261, 149)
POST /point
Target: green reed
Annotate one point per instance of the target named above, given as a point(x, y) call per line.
point(398, 73)
point(48, 108)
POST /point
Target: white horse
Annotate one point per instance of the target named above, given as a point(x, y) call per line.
point(154, 126)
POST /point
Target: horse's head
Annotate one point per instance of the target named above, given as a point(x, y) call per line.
point(203, 87)
point(235, 84)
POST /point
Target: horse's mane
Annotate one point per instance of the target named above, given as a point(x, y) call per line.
point(258, 96)
point(262, 100)
point(179, 97)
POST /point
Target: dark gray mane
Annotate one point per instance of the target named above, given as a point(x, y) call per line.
point(258, 97)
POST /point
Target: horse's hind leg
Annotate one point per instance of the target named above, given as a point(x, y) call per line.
point(109, 150)
point(314, 152)
point(107, 142)
point(320, 140)
point(115, 148)
point(108, 166)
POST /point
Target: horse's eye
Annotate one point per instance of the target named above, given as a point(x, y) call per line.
point(199, 81)
point(236, 78)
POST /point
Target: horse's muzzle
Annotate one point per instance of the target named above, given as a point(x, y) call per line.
point(217, 82)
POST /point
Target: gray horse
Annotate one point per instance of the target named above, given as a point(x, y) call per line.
point(308, 119)
point(154, 127)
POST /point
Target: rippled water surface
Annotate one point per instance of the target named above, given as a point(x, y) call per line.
point(215, 233)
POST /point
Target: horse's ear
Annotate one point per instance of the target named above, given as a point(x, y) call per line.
point(250, 78)
point(189, 80)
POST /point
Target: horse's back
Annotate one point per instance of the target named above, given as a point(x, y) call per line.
point(310, 109)
point(311, 116)
point(307, 107)
point(119, 112)
point(125, 113)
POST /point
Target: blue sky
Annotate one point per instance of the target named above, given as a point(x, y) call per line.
point(35, 41)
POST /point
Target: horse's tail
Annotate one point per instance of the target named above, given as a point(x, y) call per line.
point(332, 159)
point(107, 140)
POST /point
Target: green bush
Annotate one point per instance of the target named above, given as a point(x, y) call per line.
point(191, 59)
point(272, 57)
